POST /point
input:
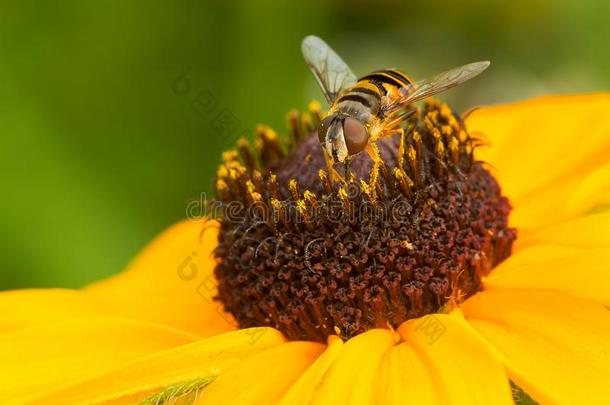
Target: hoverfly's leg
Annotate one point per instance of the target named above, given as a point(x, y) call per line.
point(330, 165)
point(393, 121)
point(470, 111)
point(373, 151)
point(346, 167)
point(392, 132)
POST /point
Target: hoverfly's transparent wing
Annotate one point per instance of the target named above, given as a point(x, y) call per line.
point(434, 85)
point(332, 74)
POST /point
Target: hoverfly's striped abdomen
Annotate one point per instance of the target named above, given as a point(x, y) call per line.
point(386, 79)
point(364, 99)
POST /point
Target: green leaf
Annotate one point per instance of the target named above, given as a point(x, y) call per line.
point(520, 396)
point(184, 393)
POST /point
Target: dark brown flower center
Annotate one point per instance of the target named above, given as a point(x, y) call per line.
point(312, 254)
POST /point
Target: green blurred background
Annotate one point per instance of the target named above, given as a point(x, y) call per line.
point(102, 148)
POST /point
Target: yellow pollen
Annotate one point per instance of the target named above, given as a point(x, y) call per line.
point(454, 148)
point(294, 189)
point(229, 156)
point(233, 174)
point(270, 134)
point(276, 204)
point(412, 154)
point(254, 195)
point(222, 172)
point(404, 182)
point(325, 181)
point(223, 189)
point(259, 145)
point(416, 136)
point(446, 130)
point(311, 198)
point(308, 122)
point(314, 106)
point(368, 191)
point(440, 148)
point(257, 179)
point(273, 186)
point(428, 123)
point(374, 174)
point(436, 134)
point(302, 209)
point(278, 210)
point(413, 164)
point(463, 136)
point(233, 164)
point(417, 141)
point(440, 152)
point(453, 123)
point(243, 142)
point(407, 245)
point(344, 197)
point(301, 206)
point(401, 149)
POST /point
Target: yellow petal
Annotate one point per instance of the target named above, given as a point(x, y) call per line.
point(262, 378)
point(23, 308)
point(351, 379)
point(570, 197)
point(548, 152)
point(303, 389)
point(554, 345)
point(441, 361)
point(172, 282)
point(534, 254)
point(42, 358)
point(585, 274)
point(572, 256)
point(592, 231)
point(134, 381)
point(404, 378)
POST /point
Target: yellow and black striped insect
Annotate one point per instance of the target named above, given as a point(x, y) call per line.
point(366, 109)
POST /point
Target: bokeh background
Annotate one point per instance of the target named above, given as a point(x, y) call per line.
point(113, 113)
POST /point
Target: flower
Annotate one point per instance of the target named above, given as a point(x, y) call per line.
point(540, 319)
point(313, 253)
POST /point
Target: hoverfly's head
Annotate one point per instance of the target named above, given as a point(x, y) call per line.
point(342, 136)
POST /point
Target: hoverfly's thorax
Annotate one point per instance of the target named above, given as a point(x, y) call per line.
point(356, 109)
point(362, 101)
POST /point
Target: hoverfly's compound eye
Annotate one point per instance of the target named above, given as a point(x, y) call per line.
point(356, 135)
point(324, 126)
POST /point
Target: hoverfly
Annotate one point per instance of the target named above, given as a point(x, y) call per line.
point(366, 109)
